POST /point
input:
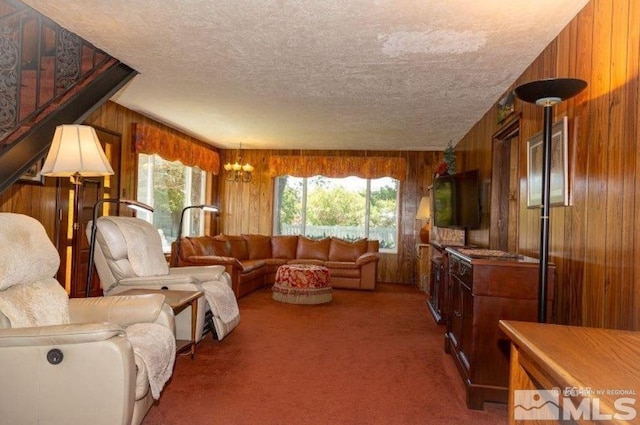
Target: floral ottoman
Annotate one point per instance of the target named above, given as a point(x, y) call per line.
point(302, 284)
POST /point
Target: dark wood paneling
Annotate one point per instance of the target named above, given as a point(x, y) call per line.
point(594, 242)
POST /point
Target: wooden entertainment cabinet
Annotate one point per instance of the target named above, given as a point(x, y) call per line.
point(486, 287)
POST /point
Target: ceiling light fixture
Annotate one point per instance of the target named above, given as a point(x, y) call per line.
point(237, 172)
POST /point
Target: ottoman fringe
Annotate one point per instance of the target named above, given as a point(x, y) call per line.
point(302, 295)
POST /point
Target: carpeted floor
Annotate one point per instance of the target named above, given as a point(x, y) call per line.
point(365, 358)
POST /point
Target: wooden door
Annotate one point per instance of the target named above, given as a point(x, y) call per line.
point(504, 191)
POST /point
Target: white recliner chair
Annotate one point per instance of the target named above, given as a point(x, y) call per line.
point(73, 361)
point(128, 254)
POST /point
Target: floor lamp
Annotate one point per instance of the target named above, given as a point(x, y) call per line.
point(76, 152)
point(94, 224)
point(203, 207)
point(547, 93)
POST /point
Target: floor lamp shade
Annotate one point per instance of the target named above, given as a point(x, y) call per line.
point(76, 151)
point(424, 213)
point(547, 93)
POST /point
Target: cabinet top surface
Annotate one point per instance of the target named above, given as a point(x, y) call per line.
point(491, 256)
point(605, 361)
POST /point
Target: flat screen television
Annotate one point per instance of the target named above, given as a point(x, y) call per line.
point(456, 200)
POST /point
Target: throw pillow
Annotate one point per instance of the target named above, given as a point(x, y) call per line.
point(239, 248)
point(284, 246)
point(313, 249)
point(259, 246)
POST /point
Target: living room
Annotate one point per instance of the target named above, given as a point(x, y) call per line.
point(593, 241)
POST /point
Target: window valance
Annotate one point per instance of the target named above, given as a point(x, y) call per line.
point(174, 146)
point(338, 166)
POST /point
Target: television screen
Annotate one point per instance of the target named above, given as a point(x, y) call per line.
point(456, 200)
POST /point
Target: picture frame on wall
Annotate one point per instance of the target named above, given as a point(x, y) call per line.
point(32, 175)
point(559, 185)
point(505, 107)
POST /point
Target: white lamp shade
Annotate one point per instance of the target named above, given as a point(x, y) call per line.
point(76, 150)
point(424, 210)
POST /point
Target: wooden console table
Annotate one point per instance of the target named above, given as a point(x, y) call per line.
point(594, 367)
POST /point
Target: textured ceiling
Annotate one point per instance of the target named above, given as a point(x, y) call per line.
point(317, 74)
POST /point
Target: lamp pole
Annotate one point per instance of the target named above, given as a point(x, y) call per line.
point(203, 207)
point(547, 93)
point(94, 225)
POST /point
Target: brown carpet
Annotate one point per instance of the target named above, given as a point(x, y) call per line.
point(365, 358)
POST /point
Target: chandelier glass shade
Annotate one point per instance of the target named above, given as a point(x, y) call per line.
point(237, 171)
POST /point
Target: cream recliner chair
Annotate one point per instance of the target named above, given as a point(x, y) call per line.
point(128, 254)
point(73, 361)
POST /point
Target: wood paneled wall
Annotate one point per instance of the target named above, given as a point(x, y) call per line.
point(595, 242)
point(35, 200)
point(248, 207)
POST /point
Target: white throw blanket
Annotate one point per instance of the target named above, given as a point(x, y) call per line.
point(144, 246)
point(41, 303)
point(154, 345)
point(222, 301)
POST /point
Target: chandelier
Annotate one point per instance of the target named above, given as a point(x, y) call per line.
point(237, 172)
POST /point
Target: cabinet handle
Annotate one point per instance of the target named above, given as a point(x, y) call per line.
point(457, 314)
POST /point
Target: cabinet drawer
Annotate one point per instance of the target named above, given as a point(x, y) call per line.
point(461, 270)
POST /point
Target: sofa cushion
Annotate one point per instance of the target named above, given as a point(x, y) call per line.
point(259, 246)
point(373, 245)
point(277, 262)
point(343, 265)
point(250, 265)
point(307, 261)
point(342, 250)
point(313, 249)
point(198, 245)
point(284, 246)
point(239, 247)
point(221, 246)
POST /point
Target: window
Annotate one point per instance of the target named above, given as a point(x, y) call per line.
point(348, 208)
point(169, 187)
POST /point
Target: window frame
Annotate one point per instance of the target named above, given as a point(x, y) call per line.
point(367, 217)
point(187, 190)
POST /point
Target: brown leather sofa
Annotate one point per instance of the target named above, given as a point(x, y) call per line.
point(252, 260)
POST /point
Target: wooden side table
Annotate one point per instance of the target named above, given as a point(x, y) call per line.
point(178, 301)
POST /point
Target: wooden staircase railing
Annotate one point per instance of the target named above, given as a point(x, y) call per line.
point(48, 76)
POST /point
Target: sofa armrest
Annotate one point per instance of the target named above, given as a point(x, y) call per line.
point(123, 310)
point(59, 334)
point(366, 258)
point(152, 281)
